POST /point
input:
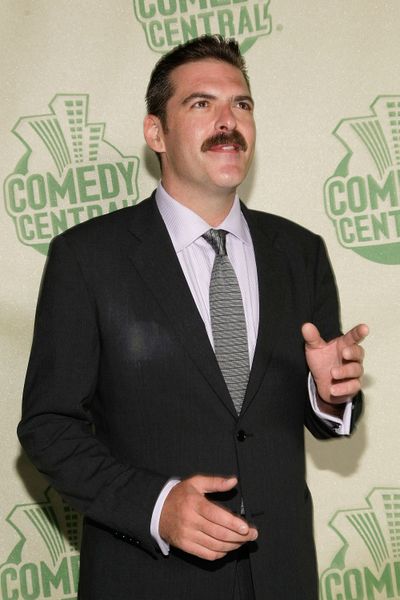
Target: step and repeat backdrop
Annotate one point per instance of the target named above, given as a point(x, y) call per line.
point(327, 89)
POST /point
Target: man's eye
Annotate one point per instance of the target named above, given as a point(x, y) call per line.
point(244, 105)
point(200, 104)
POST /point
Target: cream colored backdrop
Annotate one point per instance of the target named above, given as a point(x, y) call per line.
point(314, 66)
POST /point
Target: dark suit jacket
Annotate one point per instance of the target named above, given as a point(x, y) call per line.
point(123, 391)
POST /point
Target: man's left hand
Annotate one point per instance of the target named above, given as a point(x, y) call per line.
point(336, 366)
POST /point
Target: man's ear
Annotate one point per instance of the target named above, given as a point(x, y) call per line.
point(153, 133)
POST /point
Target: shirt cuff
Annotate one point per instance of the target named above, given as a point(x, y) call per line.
point(155, 517)
point(341, 426)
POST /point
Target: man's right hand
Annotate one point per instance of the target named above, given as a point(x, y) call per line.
point(193, 523)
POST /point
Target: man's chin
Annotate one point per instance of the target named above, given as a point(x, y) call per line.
point(229, 179)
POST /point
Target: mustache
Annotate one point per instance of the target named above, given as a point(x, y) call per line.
point(226, 139)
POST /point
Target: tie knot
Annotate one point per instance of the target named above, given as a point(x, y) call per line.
point(216, 238)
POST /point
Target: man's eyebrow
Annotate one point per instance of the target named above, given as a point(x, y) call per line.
point(206, 96)
point(198, 96)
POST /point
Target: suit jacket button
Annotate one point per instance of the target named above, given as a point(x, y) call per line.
point(241, 435)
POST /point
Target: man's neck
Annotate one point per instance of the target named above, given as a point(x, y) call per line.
point(213, 208)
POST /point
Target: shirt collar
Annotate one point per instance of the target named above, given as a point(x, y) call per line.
point(185, 226)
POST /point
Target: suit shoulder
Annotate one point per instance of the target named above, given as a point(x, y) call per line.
point(105, 226)
point(278, 227)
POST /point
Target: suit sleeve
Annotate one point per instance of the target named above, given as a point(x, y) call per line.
point(325, 315)
point(56, 427)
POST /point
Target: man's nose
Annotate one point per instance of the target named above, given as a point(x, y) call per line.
point(226, 120)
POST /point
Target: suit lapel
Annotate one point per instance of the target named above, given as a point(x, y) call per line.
point(155, 260)
point(272, 282)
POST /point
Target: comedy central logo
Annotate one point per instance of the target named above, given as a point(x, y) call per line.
point(45, 561)
point(362, 197)
point(68, 174)
point(167, 23)
point(368, 565)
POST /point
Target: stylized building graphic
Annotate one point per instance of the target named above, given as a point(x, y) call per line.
point(65, 134)
point(377, 134)
point(368, 564)
point(363, 196)
point(45, 561)
point(68, 174)
point(45, 130)
point(392, 511)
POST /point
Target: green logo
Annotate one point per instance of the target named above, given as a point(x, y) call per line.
point(167, 23)
point(68, 174)
point(362, 197)
point(368, 565)
point(45, 561)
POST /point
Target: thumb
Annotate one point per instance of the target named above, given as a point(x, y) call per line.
point(209, 484)
point(312, 336)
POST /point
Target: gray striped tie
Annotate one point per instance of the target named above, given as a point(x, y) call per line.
point(228, 321)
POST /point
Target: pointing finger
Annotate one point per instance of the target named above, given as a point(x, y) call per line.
point(356, 335)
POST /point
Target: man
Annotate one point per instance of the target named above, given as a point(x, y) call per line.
point(190, 474)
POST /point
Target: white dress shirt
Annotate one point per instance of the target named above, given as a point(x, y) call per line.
point(196, 258)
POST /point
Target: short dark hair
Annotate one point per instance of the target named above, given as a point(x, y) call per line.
point(160, 88)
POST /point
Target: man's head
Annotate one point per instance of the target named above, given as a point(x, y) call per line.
point(161, 88)
point(200, 120)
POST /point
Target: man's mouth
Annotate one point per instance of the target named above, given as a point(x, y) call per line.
point(225, 142)
point(225, 148)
